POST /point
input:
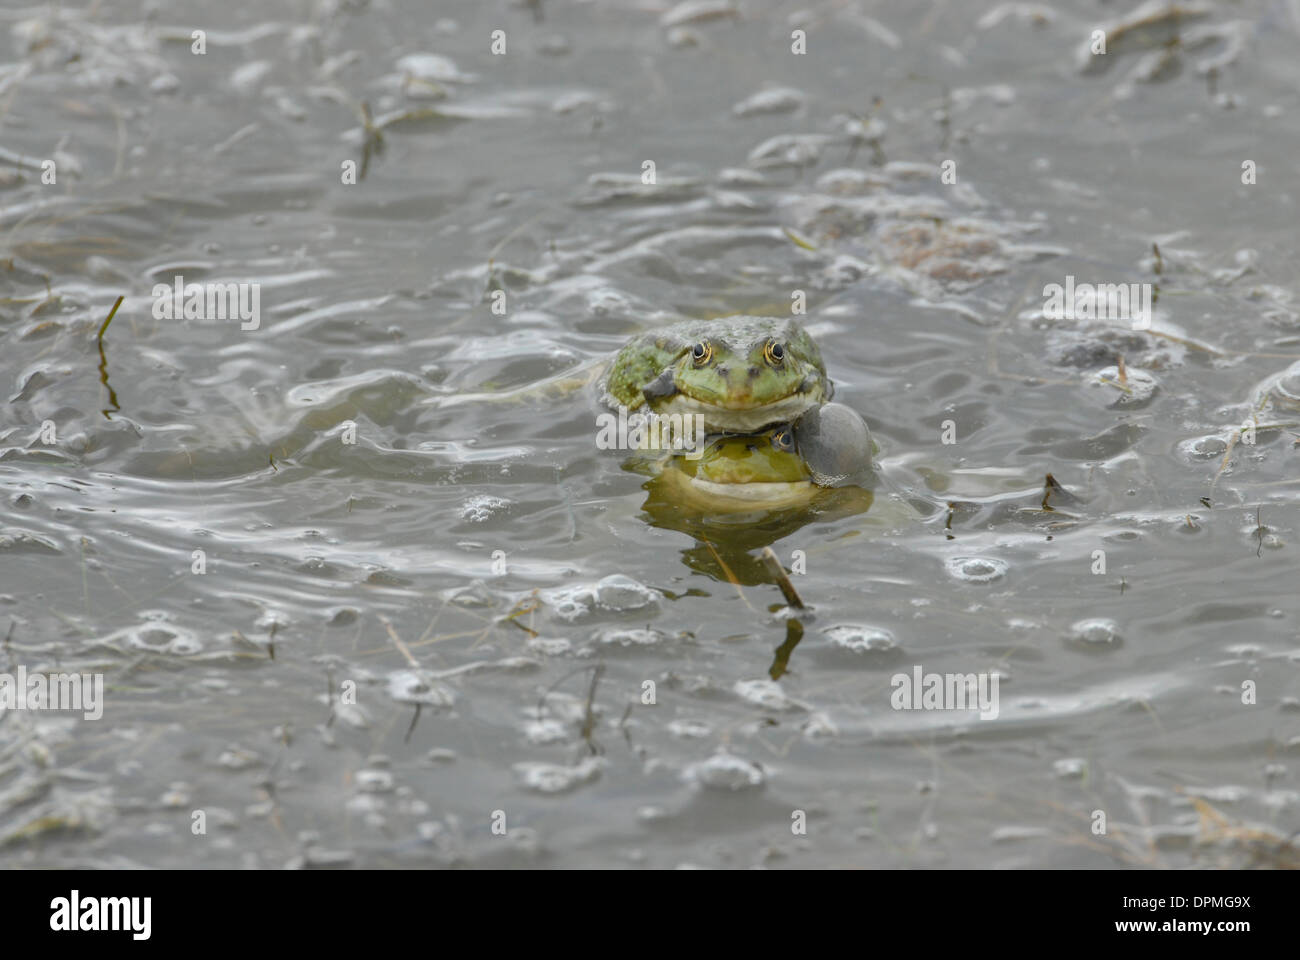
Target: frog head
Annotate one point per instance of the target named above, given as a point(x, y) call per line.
point(739, 373)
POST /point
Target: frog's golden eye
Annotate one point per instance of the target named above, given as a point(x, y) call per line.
point(774, 353)
point(702, 353)
point(782, 439)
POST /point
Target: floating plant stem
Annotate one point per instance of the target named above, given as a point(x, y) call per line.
point(103, 360)
point(782, 578)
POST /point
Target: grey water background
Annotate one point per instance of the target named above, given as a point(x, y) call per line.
point(369, 566)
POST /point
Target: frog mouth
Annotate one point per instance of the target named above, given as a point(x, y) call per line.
point(808, 387)
point(738, 417)
point(665, 395)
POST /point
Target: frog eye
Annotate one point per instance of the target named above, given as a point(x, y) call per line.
point(783, 439)
point(702, 353)
point(774, 353)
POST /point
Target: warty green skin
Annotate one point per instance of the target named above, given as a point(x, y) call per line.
point(737, 388)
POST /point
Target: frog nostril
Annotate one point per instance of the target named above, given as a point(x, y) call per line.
point(722, 371)
point(753, 372)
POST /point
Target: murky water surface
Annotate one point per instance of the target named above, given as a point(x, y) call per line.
point(389, 647)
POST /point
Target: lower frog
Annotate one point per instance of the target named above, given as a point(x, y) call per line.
point(828, 446)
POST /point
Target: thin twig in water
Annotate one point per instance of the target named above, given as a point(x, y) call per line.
point(735, 582)
point(329, 696)
point(782, 578)
point(589, 718)
point(103, 359)
point(414, 720)
point(397, 641)
point(622, 725)
point(1049, 485)
point(541, 703)
point(510, 617)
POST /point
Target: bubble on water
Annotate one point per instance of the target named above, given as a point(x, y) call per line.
point(976, 569)
point(606, 301)
point(689, 729)
point(550, 646)
point(790, 149)
point(570, 603)
point(1009, 834)
point(411, 686)
point(820, 727)
point(1287, 388)
point(637, 637)
point(774, 100)
point(681, 37)
point(374, 781)
point(1096, 632)
point(740, 177)
point(613, 594)
point(698, 11)
point(553, 778)
point(432, 66)
point(235, 757)
point(480, 508)
point(850, 181)
point(352, 714)
point(371, 808)
point(766, 694)
point(554, 45)
point(319, 857)
point(617, 592)
point(476, 594)
point(725, 771)
point(564, 706)
point(1200, 449)
point(165, 83)
point(177, 795)
point(1070, 768)
point(861, 639)
point(546, 731)
point(248, 77)
point(163, 638)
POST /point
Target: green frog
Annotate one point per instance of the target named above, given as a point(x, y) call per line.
point(786, 465)
point(748, 491)
point(740, 374)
